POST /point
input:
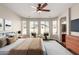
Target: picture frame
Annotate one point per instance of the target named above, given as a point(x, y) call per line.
point(8, 25)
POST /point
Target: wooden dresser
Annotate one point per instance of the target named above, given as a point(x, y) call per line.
point(72, 43)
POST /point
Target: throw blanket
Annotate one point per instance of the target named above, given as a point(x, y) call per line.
point(31, 46)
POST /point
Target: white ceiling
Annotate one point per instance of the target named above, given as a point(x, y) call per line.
point(26, 10)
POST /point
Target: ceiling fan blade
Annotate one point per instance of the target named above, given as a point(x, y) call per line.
point(39, 5)
point(33, 7)
point(45, 10)
point(44, 5)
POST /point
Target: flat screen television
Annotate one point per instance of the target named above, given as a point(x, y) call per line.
point(75, 25)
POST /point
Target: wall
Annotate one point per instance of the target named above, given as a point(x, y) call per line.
point(74, 12)
point(6, 13)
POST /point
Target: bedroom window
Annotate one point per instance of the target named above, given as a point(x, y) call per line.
point(44, 27)
point(33, 27)
point(54, 24)
point(24, 27)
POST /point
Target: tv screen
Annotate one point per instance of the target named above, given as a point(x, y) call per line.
point(75, 25)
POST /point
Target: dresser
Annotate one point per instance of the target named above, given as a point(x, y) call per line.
point(72, 43)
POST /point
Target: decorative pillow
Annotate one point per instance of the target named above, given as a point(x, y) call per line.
point(11, 39)
point(3, 42)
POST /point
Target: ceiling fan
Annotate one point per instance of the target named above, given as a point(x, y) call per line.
point(41, 7)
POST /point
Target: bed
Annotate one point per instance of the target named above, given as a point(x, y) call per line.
point(28, 46)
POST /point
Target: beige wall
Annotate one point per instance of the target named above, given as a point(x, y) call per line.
point(6, 13)
point(75, 12)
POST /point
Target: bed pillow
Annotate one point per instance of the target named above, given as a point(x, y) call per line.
point(11, 39)
point(3, 42)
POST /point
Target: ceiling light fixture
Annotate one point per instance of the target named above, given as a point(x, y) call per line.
point(39, 11)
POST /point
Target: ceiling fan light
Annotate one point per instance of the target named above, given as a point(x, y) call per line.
point(39, 11)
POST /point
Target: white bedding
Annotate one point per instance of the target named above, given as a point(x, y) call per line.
point(54, 48)
point(5, 50)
